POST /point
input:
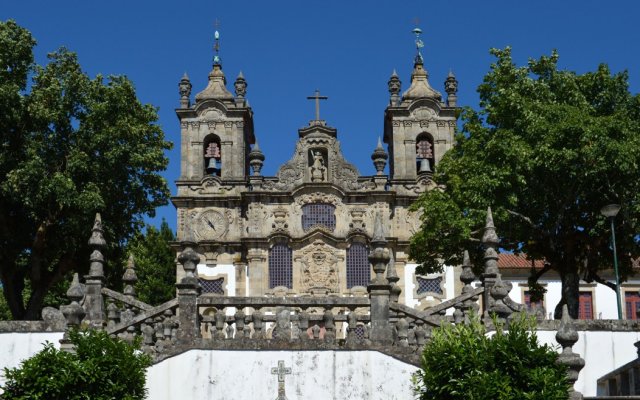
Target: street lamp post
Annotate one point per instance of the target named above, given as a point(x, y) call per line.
point(610, 211)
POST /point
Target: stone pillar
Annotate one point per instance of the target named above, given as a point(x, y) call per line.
point(94, 281)
point(491, 274)
point(188, 290)
point(257, 271)
point(379, 288)
point(567, 337)
point(73, 313)
point(241, 277)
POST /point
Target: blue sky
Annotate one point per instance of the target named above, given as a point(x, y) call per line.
point(347, 49)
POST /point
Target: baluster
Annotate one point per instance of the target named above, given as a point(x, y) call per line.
point(258, 325)
point(247, 330)
point(402, 327)
point(352, 320)
point(303, 323)
point(295, 326)
point(420, 333)
point(221, 319)
point(167, 325)
point(411, 334)
point(329, 326)
point(112, 314)
point(239, 324)
point(147, 335)
point(458, 314)
point(316, 331)
point(230, 331)
point(282, 330)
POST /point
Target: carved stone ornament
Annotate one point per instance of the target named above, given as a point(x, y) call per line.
point(210, 185)
point(256, 217)
point(335, 169)
point(280, 216)
point(319, 268)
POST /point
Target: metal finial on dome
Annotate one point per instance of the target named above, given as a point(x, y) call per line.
point(216, 48)
point(419, 45)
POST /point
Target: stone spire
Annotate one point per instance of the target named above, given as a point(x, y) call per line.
point(420, 87)
point(256, 159)
point(567, 337)
point(395, 85)
point(379, 158)
point(240, 86)
point(73, 313)
point(184, 88)
point(451, 87)
point(130, 278)
point(94, 281)
point(491, 275)
point(216, 88)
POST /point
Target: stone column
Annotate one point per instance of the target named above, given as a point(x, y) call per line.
point(73, 313)
point(188, 290)
point(379, 288)
point(94, 281)
point(241, 277)
point(257, 271)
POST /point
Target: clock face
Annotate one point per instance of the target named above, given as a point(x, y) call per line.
point(211, 225)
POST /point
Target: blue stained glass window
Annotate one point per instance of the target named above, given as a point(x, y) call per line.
point(318, 214)
point(358, 269)
point(280, 266)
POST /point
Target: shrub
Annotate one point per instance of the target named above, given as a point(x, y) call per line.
point(102, 368)
point(463, 362)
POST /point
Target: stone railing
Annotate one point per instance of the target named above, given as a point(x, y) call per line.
point(375, 322)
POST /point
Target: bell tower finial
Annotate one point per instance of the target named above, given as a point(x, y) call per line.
point(216, 44)
point(419, 45)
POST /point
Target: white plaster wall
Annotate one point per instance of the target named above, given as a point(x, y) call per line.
point(226, 375)
point(220, 269)
point(15, 347)
point(603, 352)
point(409, 285)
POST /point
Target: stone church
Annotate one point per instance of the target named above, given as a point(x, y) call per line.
point(306, 231)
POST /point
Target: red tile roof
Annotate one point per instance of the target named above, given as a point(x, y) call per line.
point(510, 260)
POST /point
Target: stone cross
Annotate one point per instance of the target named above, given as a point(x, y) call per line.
point(317, 98)
point(281, 371)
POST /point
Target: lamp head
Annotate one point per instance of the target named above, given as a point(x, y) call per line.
point(610, 210)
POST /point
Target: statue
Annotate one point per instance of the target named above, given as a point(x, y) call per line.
point(317, 169)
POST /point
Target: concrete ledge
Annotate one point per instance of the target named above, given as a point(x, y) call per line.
point(31, 326)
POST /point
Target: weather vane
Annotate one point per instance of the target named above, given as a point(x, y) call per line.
point(216, 45)
point(419, 43)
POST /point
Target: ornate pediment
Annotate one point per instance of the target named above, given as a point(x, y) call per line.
point(317, 159)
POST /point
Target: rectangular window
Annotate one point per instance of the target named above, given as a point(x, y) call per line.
point(532, 305)
point(585, 310)
point(280, 266)
point(632, 305)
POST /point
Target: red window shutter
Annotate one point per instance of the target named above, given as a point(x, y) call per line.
point(585, 310)
point(632, 304)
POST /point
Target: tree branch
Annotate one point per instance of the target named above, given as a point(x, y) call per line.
point(522, 217)
point(598, 279)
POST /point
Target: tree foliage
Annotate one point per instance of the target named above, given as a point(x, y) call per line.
point(155, 264)
point(547, 149)
point(103, 368)
point(462, 362)
point(70, 146)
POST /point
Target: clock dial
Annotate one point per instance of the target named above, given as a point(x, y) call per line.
point(211, 225)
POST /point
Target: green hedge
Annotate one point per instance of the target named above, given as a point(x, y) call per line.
point(102, 368)
point(463, 362)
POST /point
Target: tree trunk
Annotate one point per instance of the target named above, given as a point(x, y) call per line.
point(570, 293)
point(12, 291)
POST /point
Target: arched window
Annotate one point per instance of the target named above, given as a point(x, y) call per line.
point(318, 214)
point(280, 266)
point(212, 156)
point(358, 269)
point(424, 153)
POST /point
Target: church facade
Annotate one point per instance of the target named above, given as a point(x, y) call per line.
point(306, 231)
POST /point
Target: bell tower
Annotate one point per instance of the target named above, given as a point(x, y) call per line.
point(418, 126)
point(216, 130)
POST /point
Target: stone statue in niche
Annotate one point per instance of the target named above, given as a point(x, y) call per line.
point(318, 170)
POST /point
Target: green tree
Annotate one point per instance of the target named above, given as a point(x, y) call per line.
point(102, 368)
point(155, 264)
point(547, 149)
point(70, 146)
point(462, 362)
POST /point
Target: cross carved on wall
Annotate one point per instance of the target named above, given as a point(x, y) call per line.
point(281, 371)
